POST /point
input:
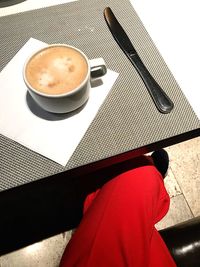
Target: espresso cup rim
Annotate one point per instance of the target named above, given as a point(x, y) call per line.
point(56, 95)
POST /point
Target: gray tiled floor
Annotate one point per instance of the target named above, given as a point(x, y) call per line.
point(183, 182)
point(183, 186)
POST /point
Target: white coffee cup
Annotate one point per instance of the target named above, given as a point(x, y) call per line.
point(61, 101)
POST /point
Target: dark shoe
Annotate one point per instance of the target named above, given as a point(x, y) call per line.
point(161, 161)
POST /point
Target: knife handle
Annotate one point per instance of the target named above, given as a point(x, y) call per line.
point(161, 100)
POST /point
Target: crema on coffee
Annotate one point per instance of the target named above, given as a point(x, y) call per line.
point(56, 70)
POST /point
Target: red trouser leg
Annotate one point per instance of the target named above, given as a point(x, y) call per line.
point(117, 229)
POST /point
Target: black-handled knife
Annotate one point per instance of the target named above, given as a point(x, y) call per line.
point(160, 98)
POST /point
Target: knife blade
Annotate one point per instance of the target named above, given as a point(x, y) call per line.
point(160, 98)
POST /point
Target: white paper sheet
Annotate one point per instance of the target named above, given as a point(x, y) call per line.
point(53, 136)
point(174, 27)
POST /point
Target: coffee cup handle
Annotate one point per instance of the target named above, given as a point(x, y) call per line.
point(97, 67)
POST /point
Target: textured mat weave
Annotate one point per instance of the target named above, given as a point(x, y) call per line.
point(128, 118)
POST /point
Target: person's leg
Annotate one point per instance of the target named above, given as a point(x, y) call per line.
point(159, 254)
point(117, 229)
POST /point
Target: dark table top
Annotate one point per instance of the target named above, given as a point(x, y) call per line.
point(34, 191)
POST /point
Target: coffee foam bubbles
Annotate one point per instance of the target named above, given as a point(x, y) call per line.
point(56, 70)
point(62, 63)
point(45, 78)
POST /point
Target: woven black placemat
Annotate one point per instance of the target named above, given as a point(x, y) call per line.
point(127, 119)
